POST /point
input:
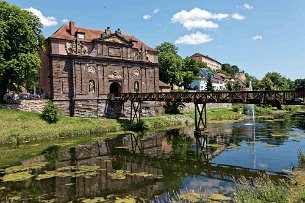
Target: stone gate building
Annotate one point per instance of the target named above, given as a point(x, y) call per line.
point(81, 66)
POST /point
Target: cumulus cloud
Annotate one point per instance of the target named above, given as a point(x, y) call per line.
point(65, 20)
point(257, 37)
point(237, 16)
point(156, 11)
point(202, 24)
point(193, 39)
point(248, 6)
point(146, 17)
point(46, 21)
point(198, 18)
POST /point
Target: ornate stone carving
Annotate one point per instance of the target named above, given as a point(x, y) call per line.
point(143, 54)
point(71, 48)
point(118, 31)
point(106, 33)
point(136, 72)
point(115, 75)
point(91, 69)
point(81, 48)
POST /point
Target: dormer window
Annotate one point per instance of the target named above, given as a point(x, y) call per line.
point(80, 35)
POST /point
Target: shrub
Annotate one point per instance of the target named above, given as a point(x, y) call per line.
point(50, 113)
point(138, 126)
point(173, 107)
point(236, 108)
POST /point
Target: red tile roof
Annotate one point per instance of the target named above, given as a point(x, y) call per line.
point(163, 84)
point(90, 34)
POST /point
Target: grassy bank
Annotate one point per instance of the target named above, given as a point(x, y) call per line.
point(24, 135)
point(19, 127)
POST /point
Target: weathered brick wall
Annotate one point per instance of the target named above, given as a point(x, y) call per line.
point(27, 105)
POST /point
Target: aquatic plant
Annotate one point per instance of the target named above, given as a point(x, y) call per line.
point(14, 177)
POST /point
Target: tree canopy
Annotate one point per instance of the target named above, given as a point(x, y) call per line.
point(299, 84)
point(275, 81)
point(20, 41)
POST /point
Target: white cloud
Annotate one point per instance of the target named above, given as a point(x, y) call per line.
point(146, 17)
point(247, 6)
point(198, 18)
point(237, 16)
point(46, 21)
point(193, 39)
point(65, 20)
point(202, 24)
point(156, 11)
point(257, 37)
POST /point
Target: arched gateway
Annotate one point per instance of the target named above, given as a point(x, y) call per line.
point(115, 88)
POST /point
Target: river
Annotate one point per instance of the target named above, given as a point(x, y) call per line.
point(160, 166)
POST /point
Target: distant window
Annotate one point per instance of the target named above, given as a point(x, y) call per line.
point(80, 35)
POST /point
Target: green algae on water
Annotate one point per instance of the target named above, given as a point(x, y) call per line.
point(19, 176)
point(22, 168)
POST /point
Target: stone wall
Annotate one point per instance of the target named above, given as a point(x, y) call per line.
point(27, 105)
point(191, 106)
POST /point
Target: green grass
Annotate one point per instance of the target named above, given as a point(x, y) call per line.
point(263, 190)
point(24, 135)
point(17, 126)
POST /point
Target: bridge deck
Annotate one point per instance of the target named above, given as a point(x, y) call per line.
point(245, 97)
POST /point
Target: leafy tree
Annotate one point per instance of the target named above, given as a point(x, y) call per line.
point(299, 84)
point(229, 86)
point(231, 70)
point(275, 81)
point(267, 84)
point(209, 87)
point(190, 72)
point(20, 41)
point(167, 47)
point(171, 67)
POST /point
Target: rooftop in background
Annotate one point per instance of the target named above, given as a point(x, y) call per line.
point(211, 63)
point(205, 73)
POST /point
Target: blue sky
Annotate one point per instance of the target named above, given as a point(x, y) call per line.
point(258, 36)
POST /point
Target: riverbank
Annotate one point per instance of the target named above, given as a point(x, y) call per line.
point(19, 127)
point(24, 135)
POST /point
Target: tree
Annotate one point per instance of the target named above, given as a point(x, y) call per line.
point(229, 86)
point(170, 69)
point(167, 47)
point(20, 41)
point(231, 70)
point(275, 81)
point(299, 84)
point(210, 87)
point(190, 71)
point(171, 64)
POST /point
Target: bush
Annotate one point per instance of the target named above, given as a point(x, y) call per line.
point(138, 126)
point(173, 107)
point(236, 108)
point(50, 113)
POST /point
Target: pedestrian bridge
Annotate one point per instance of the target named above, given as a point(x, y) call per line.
point(200, 99)
point(244, 97)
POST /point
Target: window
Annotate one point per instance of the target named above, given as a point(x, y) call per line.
point(80, 35)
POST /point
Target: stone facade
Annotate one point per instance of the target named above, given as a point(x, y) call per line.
point(81, 66)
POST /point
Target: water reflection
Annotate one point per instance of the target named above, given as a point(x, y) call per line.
point(150, 164)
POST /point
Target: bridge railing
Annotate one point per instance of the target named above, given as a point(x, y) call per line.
point(247, 97)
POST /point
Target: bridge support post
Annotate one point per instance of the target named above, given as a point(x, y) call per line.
point(200, 117)
point(135, 113)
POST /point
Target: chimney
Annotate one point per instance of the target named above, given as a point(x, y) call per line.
point(72, 28)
